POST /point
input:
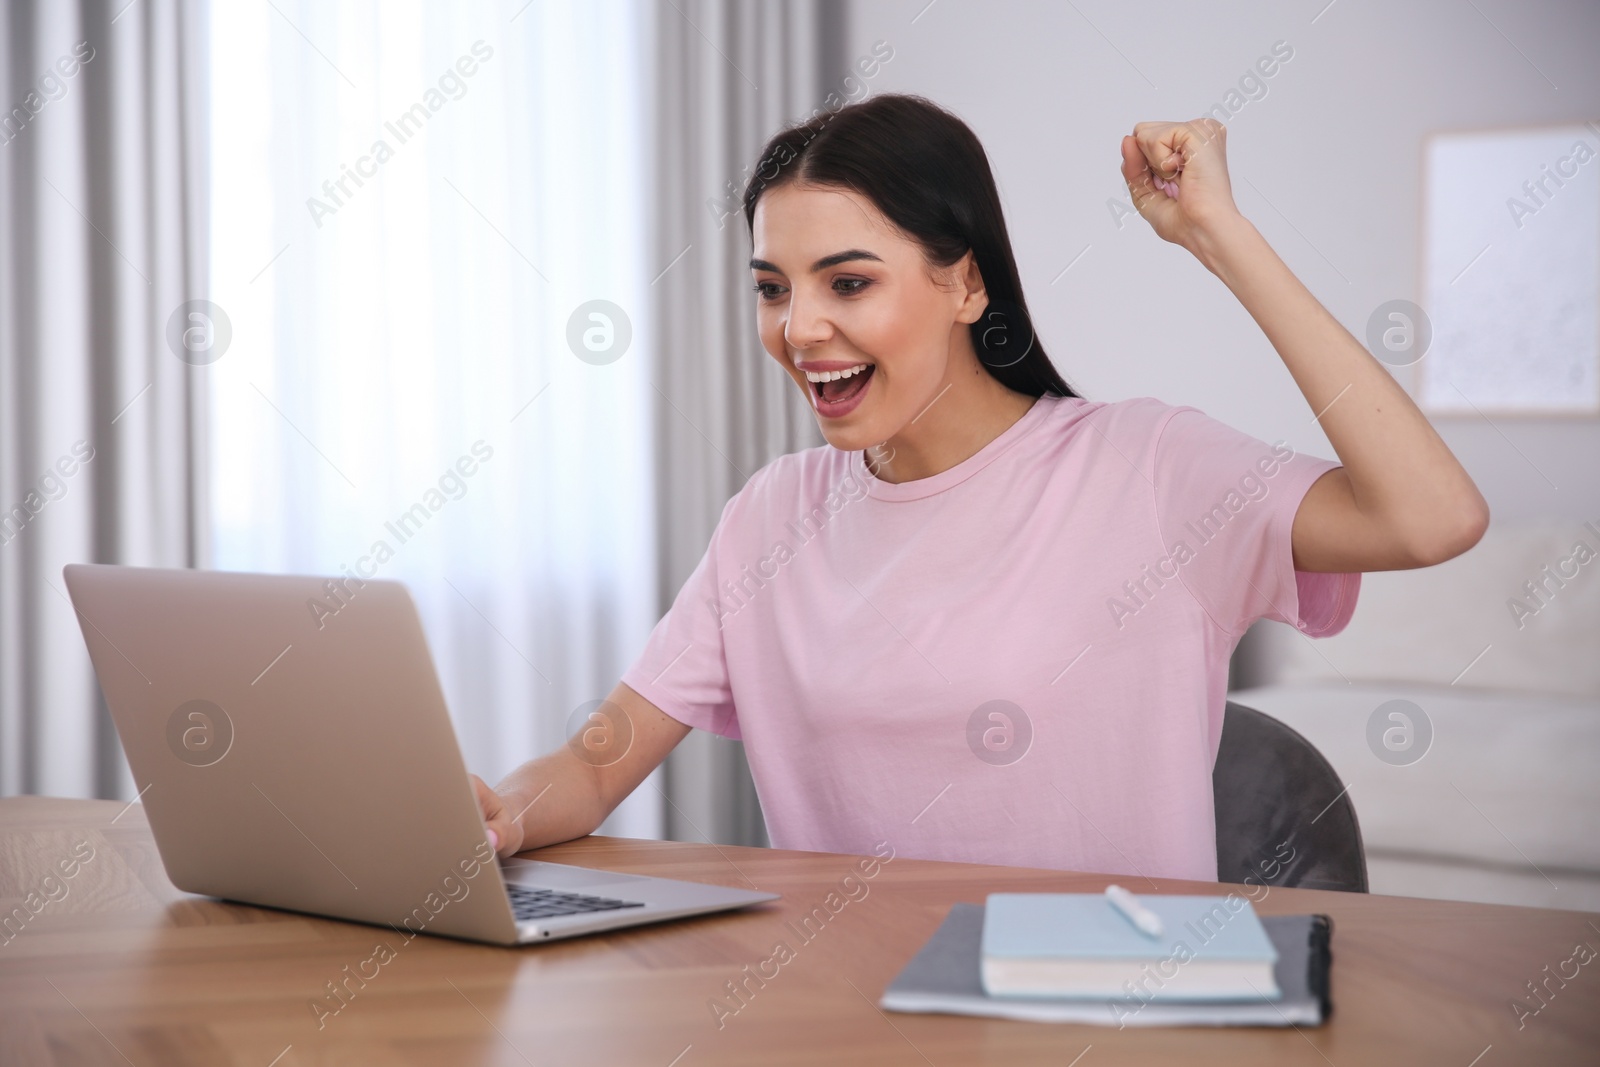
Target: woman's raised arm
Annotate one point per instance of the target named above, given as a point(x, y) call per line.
point(1401, 498)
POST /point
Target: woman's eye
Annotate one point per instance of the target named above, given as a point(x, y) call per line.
point(842, 286)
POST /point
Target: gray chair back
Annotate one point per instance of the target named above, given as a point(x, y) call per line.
point(1283, 816)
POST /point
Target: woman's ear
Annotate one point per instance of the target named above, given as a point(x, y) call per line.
point(975, 298)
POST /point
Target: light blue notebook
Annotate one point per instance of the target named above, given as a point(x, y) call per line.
point(943, 977)
point(1064, 944)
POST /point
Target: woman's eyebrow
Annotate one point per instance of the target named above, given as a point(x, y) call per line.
point(824, 263)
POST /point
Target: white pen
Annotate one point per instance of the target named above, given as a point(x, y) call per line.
point(1147, 921)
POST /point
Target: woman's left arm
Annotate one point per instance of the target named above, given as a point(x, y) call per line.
point(1401, 498)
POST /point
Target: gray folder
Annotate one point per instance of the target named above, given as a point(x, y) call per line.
point(943, 977)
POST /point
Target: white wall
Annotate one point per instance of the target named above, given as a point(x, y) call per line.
point(1335, 145)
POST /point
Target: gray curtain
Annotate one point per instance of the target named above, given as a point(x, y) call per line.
point(102, 202)
point(728, 76)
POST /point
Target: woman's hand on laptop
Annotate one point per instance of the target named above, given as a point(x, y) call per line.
point(503, 828)
point(568, 793)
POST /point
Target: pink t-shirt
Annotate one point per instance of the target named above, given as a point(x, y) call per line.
point(1020, 660)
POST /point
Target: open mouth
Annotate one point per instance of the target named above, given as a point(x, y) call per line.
point(840, 386)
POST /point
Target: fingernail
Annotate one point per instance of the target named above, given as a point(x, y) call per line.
point(494, 840)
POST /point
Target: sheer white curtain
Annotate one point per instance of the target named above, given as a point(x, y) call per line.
point(410, 204)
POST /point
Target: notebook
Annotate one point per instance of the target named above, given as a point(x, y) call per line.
point(1077, 944)
point(943, 977)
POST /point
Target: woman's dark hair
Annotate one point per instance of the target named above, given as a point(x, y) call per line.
point(926, 171)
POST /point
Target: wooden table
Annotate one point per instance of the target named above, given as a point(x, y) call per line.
point(123, 968)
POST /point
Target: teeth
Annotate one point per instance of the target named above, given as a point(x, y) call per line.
point(834, 375)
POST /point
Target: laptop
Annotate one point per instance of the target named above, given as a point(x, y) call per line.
point(293, 749)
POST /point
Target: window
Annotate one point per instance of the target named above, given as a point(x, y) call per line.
point(410, 203)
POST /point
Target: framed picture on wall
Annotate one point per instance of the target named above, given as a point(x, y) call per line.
point(1511, 272)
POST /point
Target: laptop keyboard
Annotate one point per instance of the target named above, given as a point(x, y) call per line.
point(530, 903)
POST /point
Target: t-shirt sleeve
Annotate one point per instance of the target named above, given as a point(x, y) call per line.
point(1225, 504)
point(683, 669)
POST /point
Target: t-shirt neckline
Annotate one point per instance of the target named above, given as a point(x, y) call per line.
point(917, 488)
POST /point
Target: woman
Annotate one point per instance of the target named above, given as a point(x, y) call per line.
point(990, 620)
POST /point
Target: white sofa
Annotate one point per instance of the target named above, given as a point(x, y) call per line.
point(1504, 806)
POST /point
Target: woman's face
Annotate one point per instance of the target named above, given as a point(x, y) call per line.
point(843, 294)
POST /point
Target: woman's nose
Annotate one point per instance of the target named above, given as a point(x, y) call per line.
point(805, 326)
